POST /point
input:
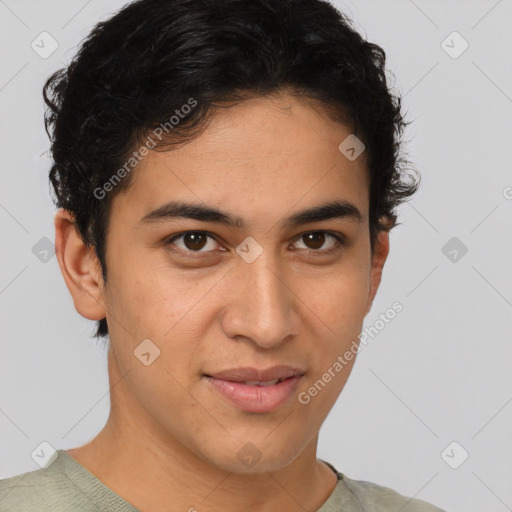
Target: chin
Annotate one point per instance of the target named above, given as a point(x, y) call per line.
point(254, 458)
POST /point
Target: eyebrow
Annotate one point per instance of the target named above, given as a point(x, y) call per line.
point(340, 209)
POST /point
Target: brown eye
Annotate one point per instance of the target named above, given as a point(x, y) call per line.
point(193, 241)
point(315, 241)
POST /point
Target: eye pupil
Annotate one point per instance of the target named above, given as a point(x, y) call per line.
point(318, 239)
point(194, 241)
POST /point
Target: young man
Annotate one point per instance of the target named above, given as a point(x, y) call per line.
point(227, 174)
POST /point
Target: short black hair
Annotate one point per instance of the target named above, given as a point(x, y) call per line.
point(137, 69)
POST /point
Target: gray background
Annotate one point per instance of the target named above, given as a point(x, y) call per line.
point(438, 373)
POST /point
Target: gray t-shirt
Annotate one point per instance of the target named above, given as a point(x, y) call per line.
point(65, 485)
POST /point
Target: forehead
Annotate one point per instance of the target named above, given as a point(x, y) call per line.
point(274, 152)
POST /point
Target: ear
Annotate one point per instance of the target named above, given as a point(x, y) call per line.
point(80, 268)
point(380, 254)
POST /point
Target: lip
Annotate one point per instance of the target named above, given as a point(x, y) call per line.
point(252, 398)
point(254, 374)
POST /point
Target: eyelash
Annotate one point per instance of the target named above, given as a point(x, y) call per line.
point(340, 239)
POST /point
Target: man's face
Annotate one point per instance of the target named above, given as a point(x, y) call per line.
point(208, 307)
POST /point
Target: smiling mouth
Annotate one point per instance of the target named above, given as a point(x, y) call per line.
point(255, 396)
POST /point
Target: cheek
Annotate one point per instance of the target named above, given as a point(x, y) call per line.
point(346, 303)
point(339, 297)
point(335, 308)
point(147, 297)
point(152, 302)
point(344, 319)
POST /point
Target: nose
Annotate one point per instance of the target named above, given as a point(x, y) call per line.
point(262, 306)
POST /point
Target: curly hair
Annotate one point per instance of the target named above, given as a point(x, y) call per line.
point(136, 68)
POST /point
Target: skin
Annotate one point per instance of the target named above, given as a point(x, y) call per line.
point(171, 442)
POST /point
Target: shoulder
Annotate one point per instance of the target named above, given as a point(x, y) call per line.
point(47, 489)
point(360, 495)
point(377, 498)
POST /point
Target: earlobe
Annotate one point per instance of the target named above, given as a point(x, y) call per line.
point(380, 254)
point(80, 268)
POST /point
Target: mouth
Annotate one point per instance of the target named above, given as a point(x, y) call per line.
point(252, 390)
